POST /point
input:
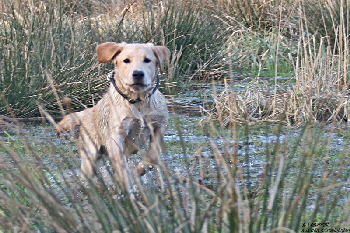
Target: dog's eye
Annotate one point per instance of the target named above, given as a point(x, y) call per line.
point(147, 60)
point(127, 60)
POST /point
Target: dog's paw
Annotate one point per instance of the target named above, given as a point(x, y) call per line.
point(142, 167)
point(59, 129)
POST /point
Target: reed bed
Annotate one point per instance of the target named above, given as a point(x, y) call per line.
point(318, 90)
point(234, 171)
point(233, 180)
point(56, 41)
point(50, 37)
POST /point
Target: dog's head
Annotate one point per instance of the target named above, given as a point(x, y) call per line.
point(136, 64)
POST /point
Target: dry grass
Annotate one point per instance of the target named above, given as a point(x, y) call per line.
point(319, 92)
point(271, 38)
point(224, 177)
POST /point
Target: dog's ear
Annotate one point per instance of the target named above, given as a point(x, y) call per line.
point(163, 55)
point(107, 51)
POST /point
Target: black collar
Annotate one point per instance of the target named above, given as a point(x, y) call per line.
point(131, 101)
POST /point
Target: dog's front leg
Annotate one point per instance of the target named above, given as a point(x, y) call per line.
point(116, 150)
point(119, 163)
point(154, 151)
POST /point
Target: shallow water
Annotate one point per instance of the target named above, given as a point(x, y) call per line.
point(185, 139)
point(189, 140)
point(196, 157)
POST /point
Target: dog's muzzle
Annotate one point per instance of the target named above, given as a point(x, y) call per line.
point(136, 76)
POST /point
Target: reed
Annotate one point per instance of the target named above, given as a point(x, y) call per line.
point(59, 39)
point(231, 181)
point(319, 91)
point(231, 172)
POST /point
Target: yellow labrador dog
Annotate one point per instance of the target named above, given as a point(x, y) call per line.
point(131, 112)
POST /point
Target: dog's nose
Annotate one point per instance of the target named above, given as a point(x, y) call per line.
point(138, 74)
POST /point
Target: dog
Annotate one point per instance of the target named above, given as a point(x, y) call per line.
point(131, 112)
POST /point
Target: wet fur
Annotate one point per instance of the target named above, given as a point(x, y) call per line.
point(115, 125)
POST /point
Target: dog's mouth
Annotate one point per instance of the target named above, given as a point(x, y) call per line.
point(137, 86)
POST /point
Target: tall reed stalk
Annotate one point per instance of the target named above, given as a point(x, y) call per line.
point(321, 71)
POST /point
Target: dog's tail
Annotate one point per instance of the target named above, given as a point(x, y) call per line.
point(70, 122)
